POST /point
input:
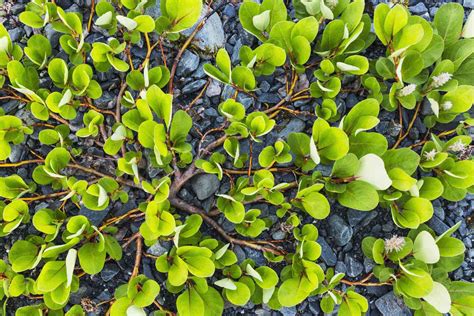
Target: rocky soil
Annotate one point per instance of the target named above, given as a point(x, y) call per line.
point(340, 234)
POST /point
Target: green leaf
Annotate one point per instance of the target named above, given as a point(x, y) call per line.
point(190, 303)
point(243, 78)
point(23, 255)
point(448, 21)
point(182, 14)
point(161, 103)
point(240, 296)
point(417, 283)
point(91, 258)
point(180, 127)
point(51, 276)
point(450, 247)
point(12, 186)
point(360, 196)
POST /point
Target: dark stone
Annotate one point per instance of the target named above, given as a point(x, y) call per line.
point(95, 217)
point(419, 9)
point(327, 254)
point(109, 271)
point(339, 230)
point(205, 185)
point(194, 86)
point(354, 267)
point(188, 63)
point(390, 305)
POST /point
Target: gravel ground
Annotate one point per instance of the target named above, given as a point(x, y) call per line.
point(340, 234)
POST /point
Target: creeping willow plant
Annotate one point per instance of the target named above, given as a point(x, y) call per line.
point(423, 63)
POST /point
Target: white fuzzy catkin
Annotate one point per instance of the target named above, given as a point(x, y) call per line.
point(441, 79)
point(394, 244)
point(407, 90)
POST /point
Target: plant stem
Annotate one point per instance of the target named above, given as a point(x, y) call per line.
point(410, 125)
point(182, 205)
point(20, 163)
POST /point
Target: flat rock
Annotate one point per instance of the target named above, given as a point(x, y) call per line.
point(294, 126)
point(205, 185)
point(211, 37)
point(95, 217)
point(188, 63)
point(390, 305)
point(339, 230)
point(328, 255)
point(469, 4)
point(158, 248)
point(354, 267)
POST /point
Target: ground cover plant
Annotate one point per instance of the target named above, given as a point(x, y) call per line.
point(147, 153)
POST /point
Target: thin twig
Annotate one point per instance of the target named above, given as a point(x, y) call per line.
point(182, 205)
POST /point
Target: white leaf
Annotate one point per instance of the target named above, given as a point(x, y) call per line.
point(70, 263)
point(398, 52)
point(252, 62)
point(157, 155)
point(49, 249)
point(327, 13)
point(237, 153)
point(439, 298)
point(226, 284)
point(134, 310)
point(146, 78)
point(346, 67)
point(399, 69)
point(104, 19)
point(415, 190)
point(77, 233)
point(29, 93)
point(334, 298)
point(323, 88)
point(346, 32)
point(434, 106)
point(406, 270)
point(221, 252)
point(135, 170)
point(119, 133)
point(3, 44)
point(301, 248)
point(313, 152)
point(312, 6)
point(102, 196)
point(261, 21)
point(53, 174)
point(65, 98)
point(449, 173)
point(425, 248)
point(267, 294)
point(81, 43)
point(372, 170)
point(177, 231)
point(46, 16)
point(279, 186)
point(127, 22)
point(251, 271)
point(227, 197)
point(38, 257)
point(468, 29)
